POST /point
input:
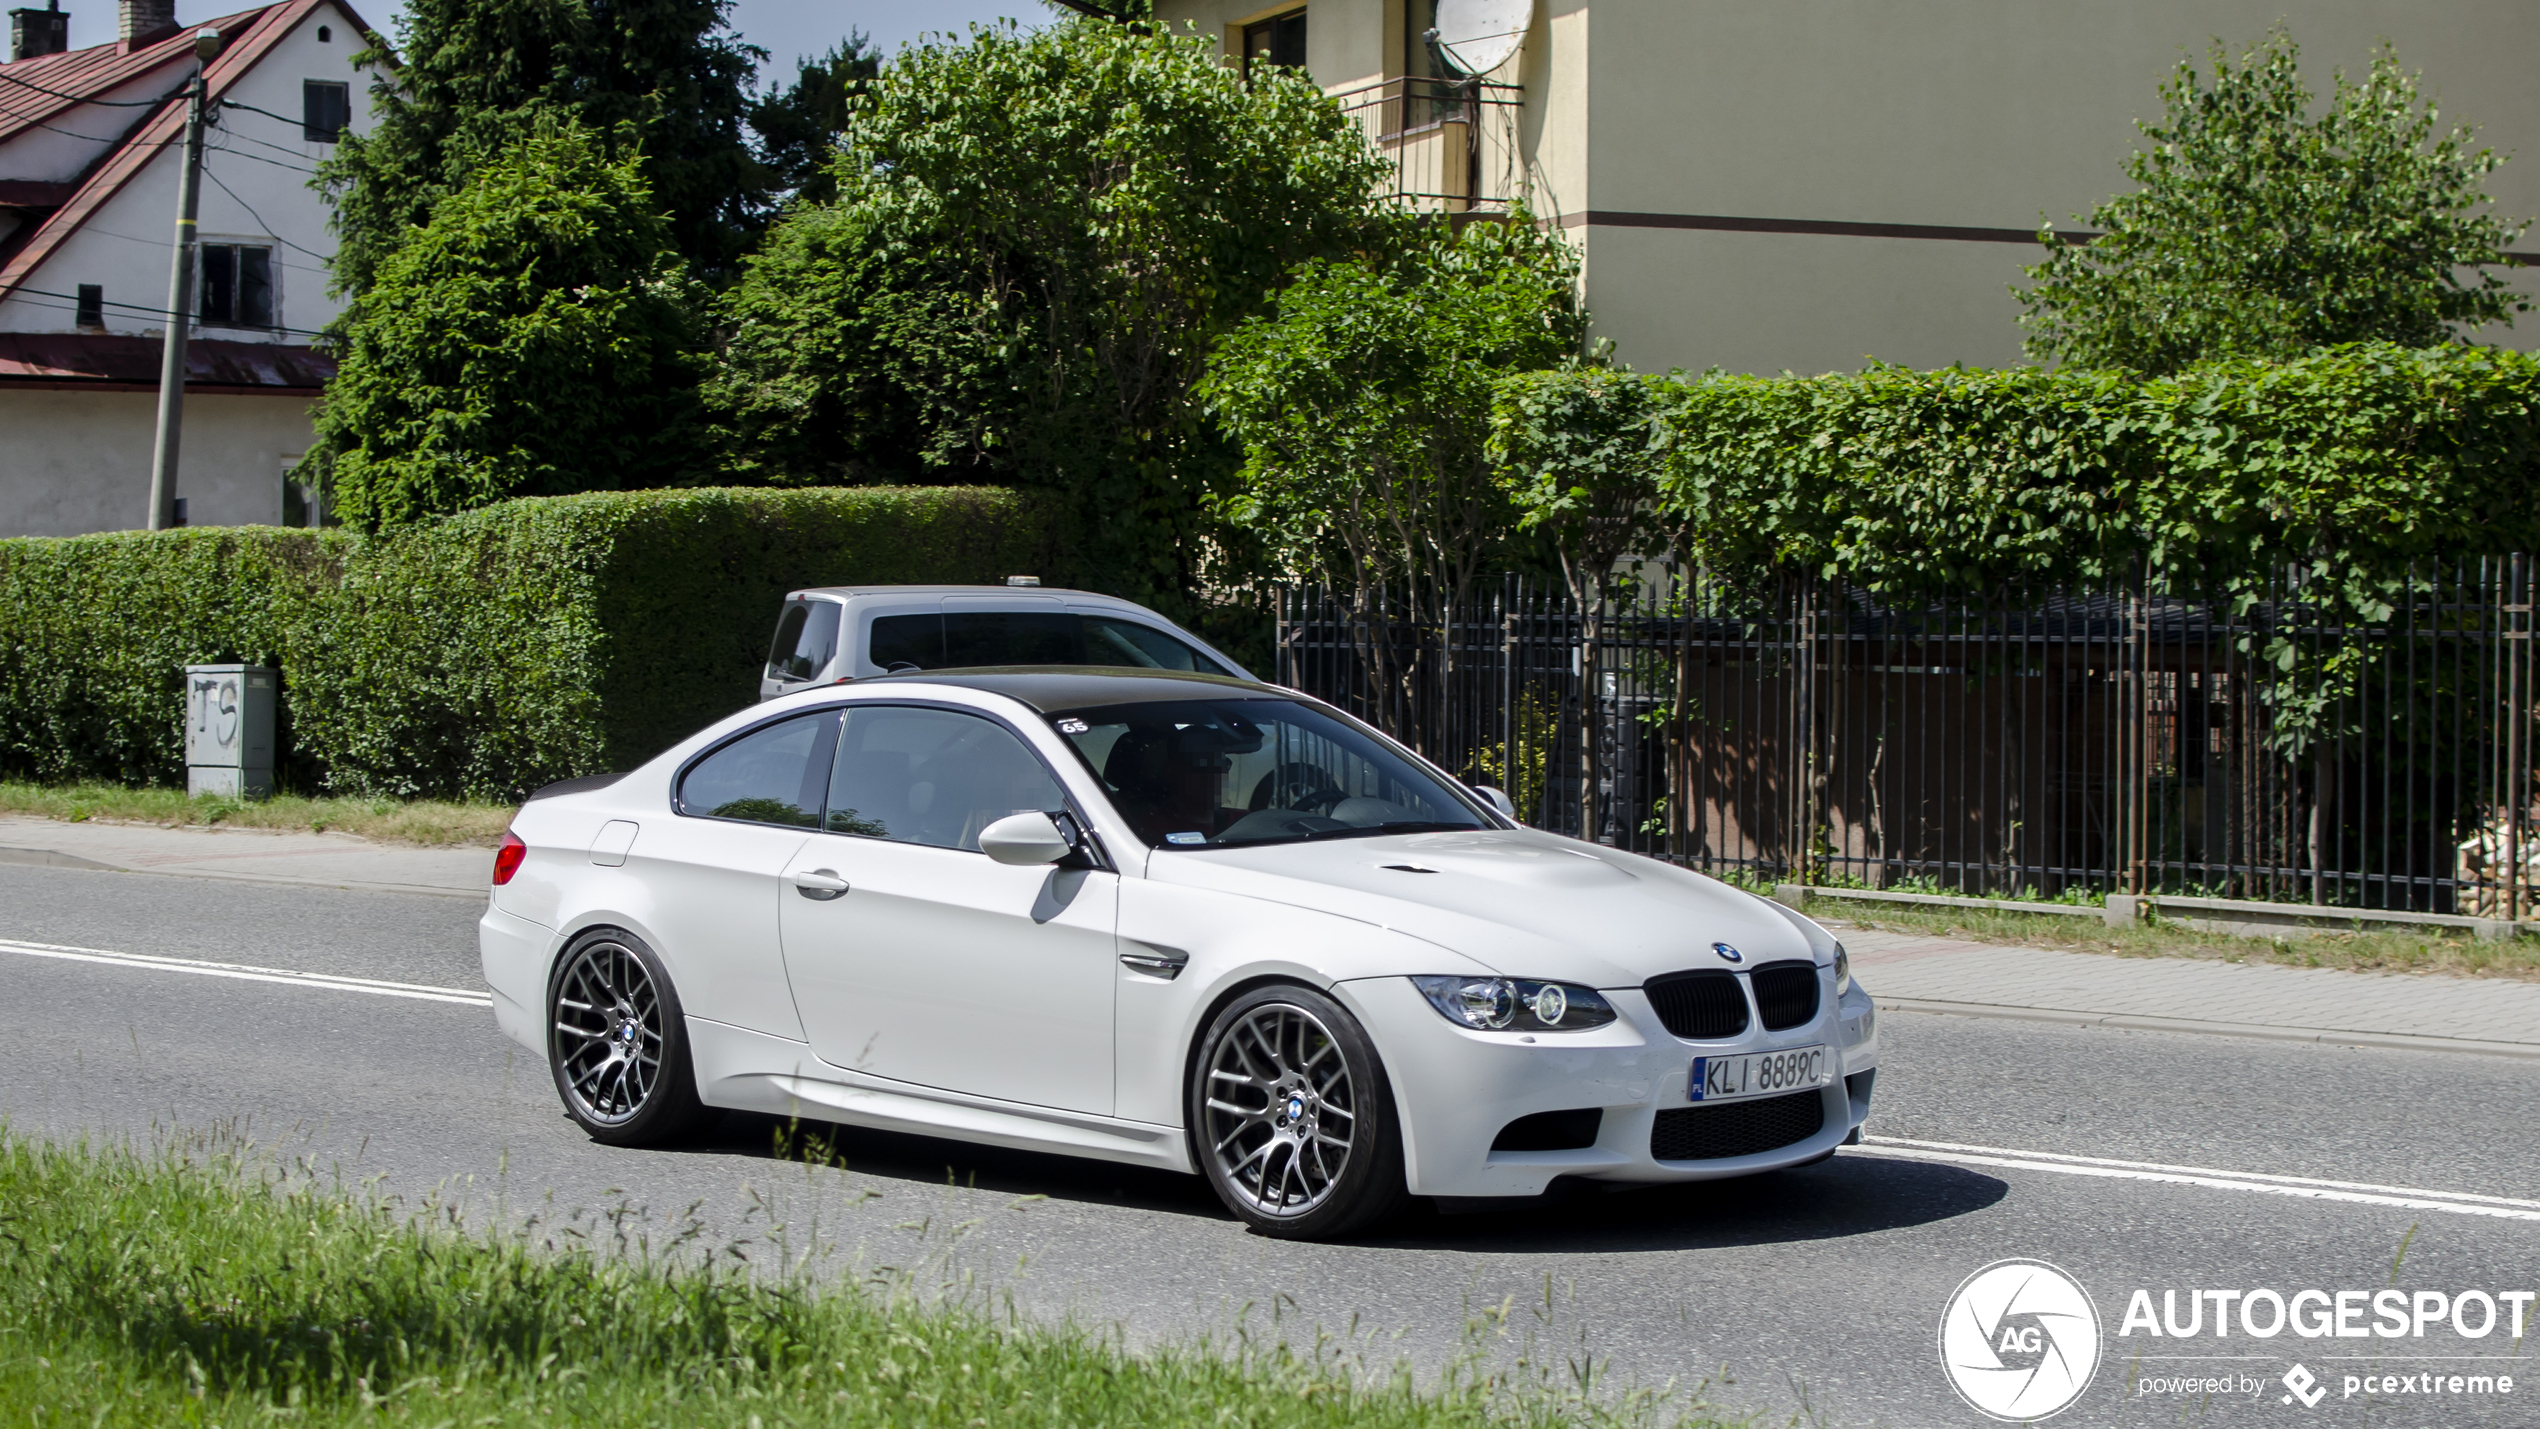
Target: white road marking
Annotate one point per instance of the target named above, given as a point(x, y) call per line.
point(2410, 1198)
point(243, 972)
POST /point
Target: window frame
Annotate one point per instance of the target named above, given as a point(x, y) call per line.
point(1089, 846)
point(679, 780)
point(236, 248)
point(1269, 24)
point(310, 89)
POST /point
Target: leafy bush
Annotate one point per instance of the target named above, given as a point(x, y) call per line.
point(478, 656)
point(2345, 465)
point(539, 336)
point(2255, 230)
point(1036, 239)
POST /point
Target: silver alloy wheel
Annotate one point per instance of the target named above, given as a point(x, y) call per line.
point(608, 1032)
point(1282, 1113)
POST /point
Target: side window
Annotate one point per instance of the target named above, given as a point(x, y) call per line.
point(1011, 637)
point(806, 636)
point(326, 107)
point(1125, 642)
point(906, 640)
point(934, 777)
point(772, 775)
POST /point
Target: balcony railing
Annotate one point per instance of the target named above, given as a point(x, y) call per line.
point(1452, 143)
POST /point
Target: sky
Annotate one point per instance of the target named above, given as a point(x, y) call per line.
point(787, 29)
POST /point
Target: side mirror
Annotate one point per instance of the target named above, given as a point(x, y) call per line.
point(1024, 840)
point(1497, 799)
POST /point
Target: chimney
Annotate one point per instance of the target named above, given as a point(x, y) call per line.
point(138, 22)
point(39, 32)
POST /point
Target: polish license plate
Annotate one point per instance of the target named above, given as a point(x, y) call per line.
point(1758, 1074)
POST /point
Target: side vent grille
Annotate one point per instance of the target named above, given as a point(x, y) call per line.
point(1699, 1006)
point(1786, 993)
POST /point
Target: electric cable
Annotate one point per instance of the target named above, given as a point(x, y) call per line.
point(83, 99)
point(195, 324)
point(258, 217)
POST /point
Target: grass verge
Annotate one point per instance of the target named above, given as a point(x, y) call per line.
point(2378, 950)
point(153, 1289)
point(421, 821)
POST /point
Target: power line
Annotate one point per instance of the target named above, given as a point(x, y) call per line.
point(154, 311)
point(84, 99)
point(228, 133)
point(261, 159)
point(269, 114)
point(258, 217)
point(75, 134)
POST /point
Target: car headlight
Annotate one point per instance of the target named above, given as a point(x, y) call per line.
point(1503, 1004)
point(1842, 971)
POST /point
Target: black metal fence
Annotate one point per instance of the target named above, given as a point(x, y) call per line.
point(2041, 743)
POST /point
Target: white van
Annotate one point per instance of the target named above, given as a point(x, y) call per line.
point(856, 632)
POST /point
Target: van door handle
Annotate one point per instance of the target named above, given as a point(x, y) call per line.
point(821, 884)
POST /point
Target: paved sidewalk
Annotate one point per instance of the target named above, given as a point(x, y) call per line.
point(253, 855)
point(1918, 974)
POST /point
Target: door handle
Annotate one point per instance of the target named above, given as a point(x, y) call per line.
point(820, 884)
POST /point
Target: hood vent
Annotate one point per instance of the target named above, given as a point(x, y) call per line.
point(1786, 993)
point(1699, 1006)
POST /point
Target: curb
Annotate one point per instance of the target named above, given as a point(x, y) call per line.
point(49, 858)
point(2391, 1041)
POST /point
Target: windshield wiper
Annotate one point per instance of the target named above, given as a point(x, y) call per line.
point(1397, 826)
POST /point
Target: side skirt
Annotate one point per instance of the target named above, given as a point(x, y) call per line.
point(752, 1071)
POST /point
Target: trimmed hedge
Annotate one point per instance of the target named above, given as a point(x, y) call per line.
point(2348, 464)
point(479, 656)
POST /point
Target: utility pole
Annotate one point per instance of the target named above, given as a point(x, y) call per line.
point(180, 294)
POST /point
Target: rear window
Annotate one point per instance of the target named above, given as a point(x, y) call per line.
point(806, 638)
point(973, 639)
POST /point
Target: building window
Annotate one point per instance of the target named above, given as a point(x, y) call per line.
point(326, 106)
point(92, 306)
point(325, 34)
point(1428, 82)
point(1279, 40)
point(303, 499)
point(237, 286)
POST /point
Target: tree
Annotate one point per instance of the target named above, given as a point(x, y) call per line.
point(2259, 232)
point(798, 126)
point(539, 336)
point(662, 77)
point(1037, 237)
point(1578, 452)
point(1362, 402)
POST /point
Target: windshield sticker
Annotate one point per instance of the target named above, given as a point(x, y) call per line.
point(1186, 838)
point(1072, 726)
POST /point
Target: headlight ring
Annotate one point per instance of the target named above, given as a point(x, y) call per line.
point(1501, 1004)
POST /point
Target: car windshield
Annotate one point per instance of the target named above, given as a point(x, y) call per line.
point(1215, 773)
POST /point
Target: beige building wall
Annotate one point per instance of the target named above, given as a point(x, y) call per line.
point(77, 462)
point(1738, 174)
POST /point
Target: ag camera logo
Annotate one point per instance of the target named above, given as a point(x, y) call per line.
point(2019, 1340)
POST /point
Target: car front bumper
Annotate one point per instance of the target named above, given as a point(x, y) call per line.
point(1456, 1089)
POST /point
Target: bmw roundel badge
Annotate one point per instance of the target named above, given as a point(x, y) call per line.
point(1732, 954)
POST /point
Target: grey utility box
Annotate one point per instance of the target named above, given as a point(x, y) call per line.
point(229, 729)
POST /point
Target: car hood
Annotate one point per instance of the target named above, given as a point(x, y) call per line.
point(1525, 904)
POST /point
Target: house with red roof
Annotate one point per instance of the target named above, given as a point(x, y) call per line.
point(91, 146)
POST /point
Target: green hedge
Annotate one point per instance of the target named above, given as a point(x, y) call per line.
point(477, 656)
point(2348, 464)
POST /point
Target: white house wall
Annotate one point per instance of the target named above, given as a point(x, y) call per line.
point(123, 248)
point(63, 152)
point(76, 462)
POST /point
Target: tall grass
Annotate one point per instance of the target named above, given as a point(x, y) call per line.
point(204, 1287)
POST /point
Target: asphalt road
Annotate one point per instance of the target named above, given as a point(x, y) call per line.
point(1816, 1291)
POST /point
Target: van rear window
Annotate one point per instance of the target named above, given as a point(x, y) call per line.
point(975, 639)
point(806, 637)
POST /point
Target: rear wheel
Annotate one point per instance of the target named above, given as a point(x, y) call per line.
point(1294, 1118)
point(618, 1044)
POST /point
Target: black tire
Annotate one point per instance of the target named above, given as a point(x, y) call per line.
point(1295, 1148)
point(608, 1001)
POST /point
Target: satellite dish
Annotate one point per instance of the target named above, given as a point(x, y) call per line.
point(1478, 36)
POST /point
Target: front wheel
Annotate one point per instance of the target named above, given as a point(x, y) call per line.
point(618, 1044)
point(1293, 1117)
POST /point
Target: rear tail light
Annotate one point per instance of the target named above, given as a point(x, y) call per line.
point(507, 858)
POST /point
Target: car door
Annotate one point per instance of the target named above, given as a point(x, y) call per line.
point(916, 957)
point(712, 871)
